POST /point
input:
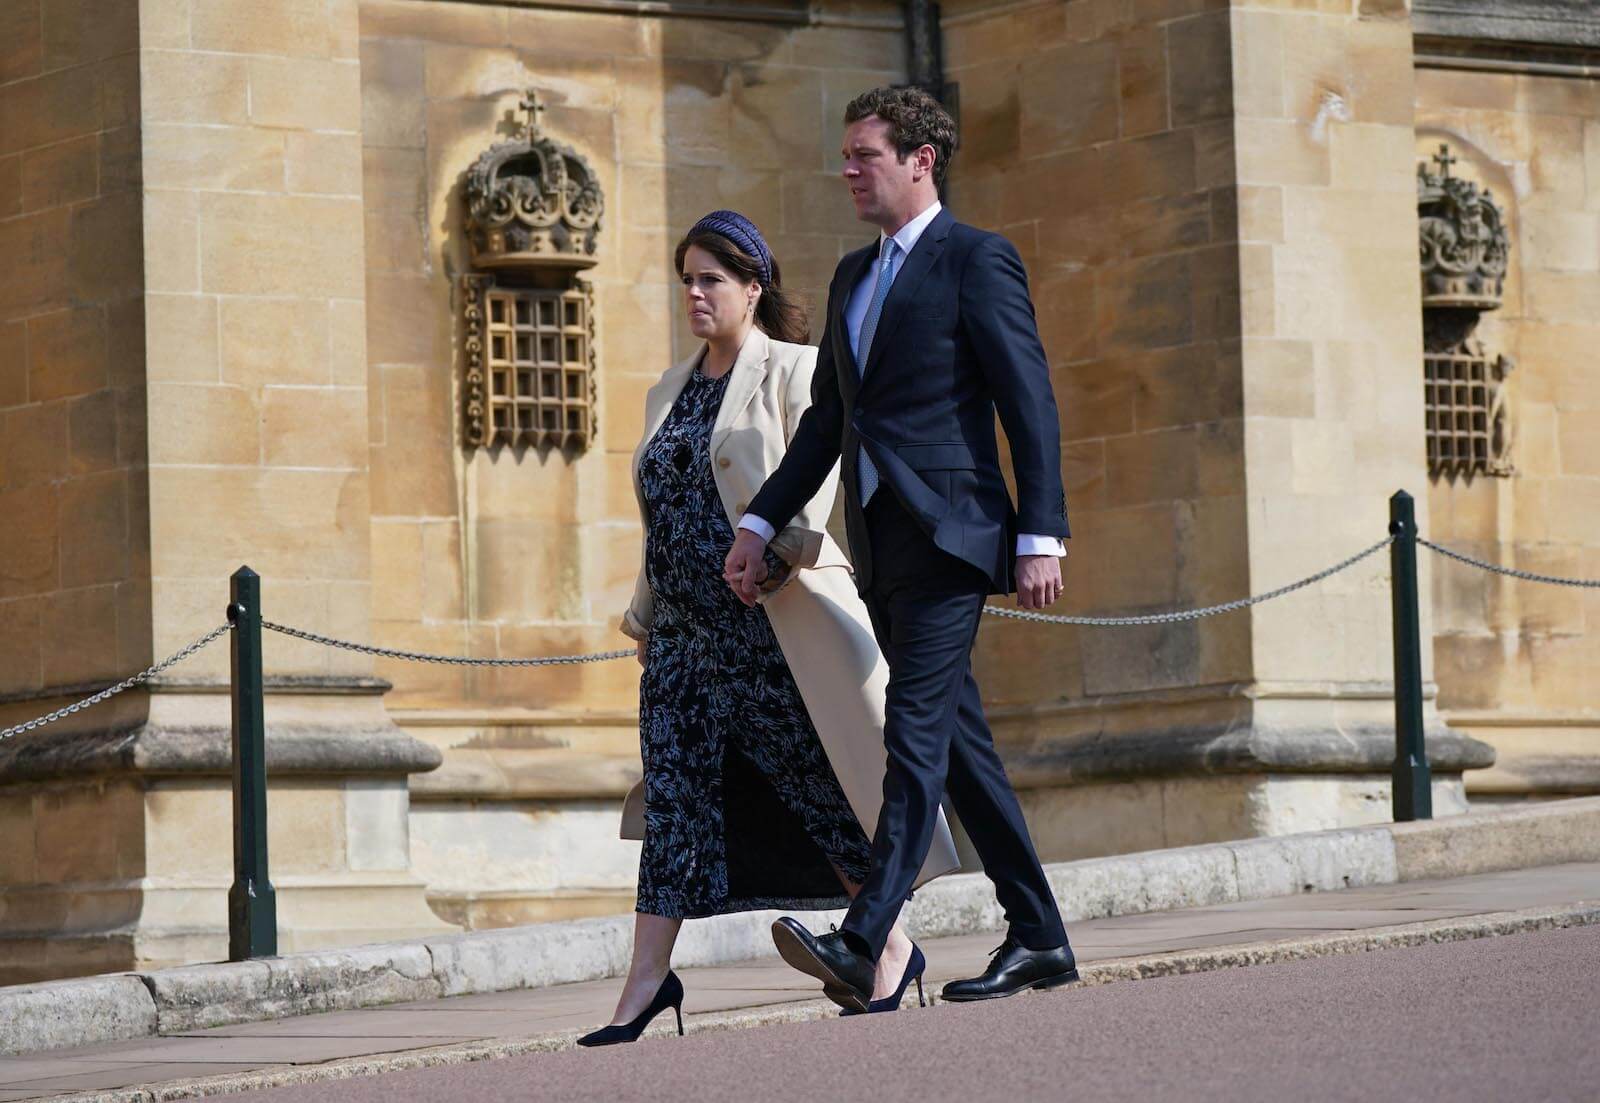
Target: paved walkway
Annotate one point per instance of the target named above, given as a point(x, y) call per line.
point(1487, 1021)
point(314, 1039)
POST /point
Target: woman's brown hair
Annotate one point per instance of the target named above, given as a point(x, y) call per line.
point(780, 315)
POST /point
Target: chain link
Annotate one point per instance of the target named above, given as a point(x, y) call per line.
point(112, 691)
point(450, 660)
point(1527, 576)
point(1190, 614)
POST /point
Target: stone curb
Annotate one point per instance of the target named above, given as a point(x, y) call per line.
point(1148, 967)
point(1545, 834)
point(126, 1006)
point(110, 1008)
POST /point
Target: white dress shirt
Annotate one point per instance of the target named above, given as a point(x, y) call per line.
point(855, 312)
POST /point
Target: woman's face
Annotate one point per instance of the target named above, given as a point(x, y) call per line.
point(718, 304)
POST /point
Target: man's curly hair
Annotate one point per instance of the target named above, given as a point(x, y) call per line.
point(915, 120)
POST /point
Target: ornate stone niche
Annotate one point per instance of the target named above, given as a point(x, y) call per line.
point(1464, 254)
point(533, 226)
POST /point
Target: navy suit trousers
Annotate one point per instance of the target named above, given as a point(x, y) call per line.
point(925, 606)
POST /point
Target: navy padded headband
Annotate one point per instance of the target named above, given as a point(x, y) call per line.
point(743, 233)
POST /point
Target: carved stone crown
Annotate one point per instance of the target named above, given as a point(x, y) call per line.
point(1463, 239)
point(532, 203)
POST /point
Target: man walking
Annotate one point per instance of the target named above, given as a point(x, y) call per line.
point(929, 332)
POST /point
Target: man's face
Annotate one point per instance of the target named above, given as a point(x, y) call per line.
point(880, 182)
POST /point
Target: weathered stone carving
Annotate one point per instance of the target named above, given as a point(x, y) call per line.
point(533, 202)
point(1464, 252)
point(1464, 246)
point(473, 394)
point(533, 223)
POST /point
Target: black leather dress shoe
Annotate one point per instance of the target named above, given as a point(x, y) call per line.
point(846, 976)
point(1015, 968)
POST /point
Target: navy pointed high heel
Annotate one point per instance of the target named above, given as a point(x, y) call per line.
point(915, 965)
point(670, 994)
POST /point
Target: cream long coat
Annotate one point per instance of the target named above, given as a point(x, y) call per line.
point(820, 621)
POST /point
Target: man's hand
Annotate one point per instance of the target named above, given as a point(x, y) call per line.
point(1038, 581)
point(745, 569)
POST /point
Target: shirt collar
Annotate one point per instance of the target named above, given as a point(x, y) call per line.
point(906, 237)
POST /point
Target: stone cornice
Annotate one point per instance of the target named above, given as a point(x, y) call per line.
point(1254, 751)
point(201, 749)
point(801, 13)
point(1544, 22)
point(1444, 52)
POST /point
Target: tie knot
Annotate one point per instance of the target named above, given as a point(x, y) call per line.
point(890, 245)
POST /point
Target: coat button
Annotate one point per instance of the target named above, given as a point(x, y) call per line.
point(724, 462)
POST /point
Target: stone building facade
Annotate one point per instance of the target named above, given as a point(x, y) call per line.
point(244, 299)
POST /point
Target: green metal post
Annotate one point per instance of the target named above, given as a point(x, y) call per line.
point(252, 903)
point(1413, 788)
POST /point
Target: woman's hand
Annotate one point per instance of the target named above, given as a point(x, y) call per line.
point(639, 650)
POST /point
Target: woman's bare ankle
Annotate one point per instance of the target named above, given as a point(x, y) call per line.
point(891, 965)
point(638, 990)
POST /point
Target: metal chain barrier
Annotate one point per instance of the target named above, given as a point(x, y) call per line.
point(112, 691)
point(450, 660)
point(1190, 614)
point(1176, 617)
point(1512, 572)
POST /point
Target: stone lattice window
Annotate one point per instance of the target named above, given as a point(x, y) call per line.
point(538, 366)
point(1465, 420)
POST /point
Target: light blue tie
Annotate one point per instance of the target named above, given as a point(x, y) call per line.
point(869, 326)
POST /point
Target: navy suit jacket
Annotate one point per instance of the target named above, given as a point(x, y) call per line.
point(956, 343)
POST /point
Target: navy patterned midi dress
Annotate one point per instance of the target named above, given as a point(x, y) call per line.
point(742, 809)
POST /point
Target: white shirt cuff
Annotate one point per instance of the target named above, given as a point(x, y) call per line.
point(1030, 544)
point(756, 525)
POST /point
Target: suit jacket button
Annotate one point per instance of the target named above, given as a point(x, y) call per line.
point(724, 462)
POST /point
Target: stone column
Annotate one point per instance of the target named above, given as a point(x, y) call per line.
point(1333, 398)
point(234, 254)
point(1217, 216)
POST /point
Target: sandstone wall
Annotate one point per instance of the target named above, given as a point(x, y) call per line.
point(1099, 139)
point(1328, 255)
point(1216, 203)
point(74, 557)
point(256, 322)
point(1517, 660)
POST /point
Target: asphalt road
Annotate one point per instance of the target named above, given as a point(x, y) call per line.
point(1512, 1018)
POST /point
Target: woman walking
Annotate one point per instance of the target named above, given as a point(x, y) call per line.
point(761, 729)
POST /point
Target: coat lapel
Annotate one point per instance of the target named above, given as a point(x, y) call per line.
point(658, 402)
point(906, 284)
point(745, 378)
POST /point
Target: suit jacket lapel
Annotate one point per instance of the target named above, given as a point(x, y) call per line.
point(904, 290)
point(745, 378)
point(844, 354)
